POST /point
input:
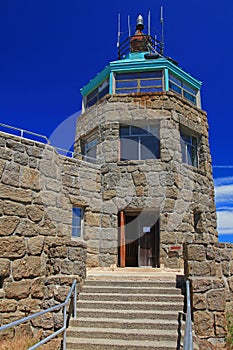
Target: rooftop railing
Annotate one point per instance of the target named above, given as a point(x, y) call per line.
point(139, 43)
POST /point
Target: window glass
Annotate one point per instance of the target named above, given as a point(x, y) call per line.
point(77, 222)
point(134, 130)
point(97, 94)
point(190, 97)
point(138, 143)
point(180, 87)
point(175, 80)
point(151, 89)
point(139, 82)
point(130, 148)
point(126, 91)
point(189, 149)
point(175, 88)
point(149, 147)
point(89, 149)
point(151, 82)
point(126, 84)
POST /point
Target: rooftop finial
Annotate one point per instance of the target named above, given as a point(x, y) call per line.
point(140, 23)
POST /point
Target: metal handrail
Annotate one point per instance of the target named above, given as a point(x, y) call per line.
point(53, 308)
point(188, 335)
point(23, 132)
point(61, 151)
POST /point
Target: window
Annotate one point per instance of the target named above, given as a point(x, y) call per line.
point(89, 149)
point(189, 149)
point(77, 219)
point(139, 82)
point(97, 94)
point(139, 143)
point(183, 89)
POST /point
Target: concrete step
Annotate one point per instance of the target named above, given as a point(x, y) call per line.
point(115, 344)
point(123, 334)
point(127, 314)
point(131, 297)
point(123, 323)
point(131, 290)
point(127, 305)
point(132, 284)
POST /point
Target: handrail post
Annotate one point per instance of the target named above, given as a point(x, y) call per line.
point(188, 339)
point(75, 302)
point(64, 325)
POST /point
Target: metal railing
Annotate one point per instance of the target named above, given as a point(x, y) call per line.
point(29, 135)
point(51, 309)
point(24, 133)
point(142, 43)
point(188, 335)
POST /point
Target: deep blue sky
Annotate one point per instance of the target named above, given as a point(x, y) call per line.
point(50, 49)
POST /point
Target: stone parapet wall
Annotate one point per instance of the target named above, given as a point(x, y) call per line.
point(38, 257)
point(209, 267)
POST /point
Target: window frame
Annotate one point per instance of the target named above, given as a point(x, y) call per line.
point(95, 95)
point(185, 88)
point(89, 143)
point(189, 144)
point(78, 228)
point(138, 138)
point(138, 79)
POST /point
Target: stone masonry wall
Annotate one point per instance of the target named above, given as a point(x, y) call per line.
point(209, 267)
point(182, 195)
point(38, 257)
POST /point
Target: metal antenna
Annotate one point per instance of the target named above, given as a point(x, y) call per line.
point(119, 29)
point(129, 28)
point(149, 22)
point(162, 29)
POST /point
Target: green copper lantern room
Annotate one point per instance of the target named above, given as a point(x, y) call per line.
point(141, 68)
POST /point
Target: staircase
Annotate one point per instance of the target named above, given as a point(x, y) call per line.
point(127, 311)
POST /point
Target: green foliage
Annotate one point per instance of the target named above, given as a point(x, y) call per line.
point(229, 330)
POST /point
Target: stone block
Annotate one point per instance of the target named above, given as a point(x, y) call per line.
point(38, 288)
point(15, 209)
point(44, 322)
point(35, 245)
point(18, 290)
point(109, 194)
point(75, 253)
point(204, 323)
point(92, 219)
point(35, 212)
point(67, 267)
point(199, 301)
point(12, 247)
point(15, 194)
point(8, 225)
point(21, 158)
point(199, 268)
point(216, 300)
point(11, 174)
point(220, 324)
point(48, 169)
point(28, 267)
point(196, 252)
point(7, 305)
point(58, 252)
point(31, 179)
point(27, 228)
point(4, 268)
point(139, 178)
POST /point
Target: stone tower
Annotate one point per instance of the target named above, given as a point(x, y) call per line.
point(142, 123)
